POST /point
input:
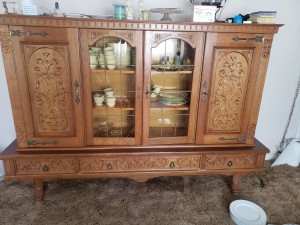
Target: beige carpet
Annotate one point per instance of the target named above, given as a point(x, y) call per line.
point(168, 200)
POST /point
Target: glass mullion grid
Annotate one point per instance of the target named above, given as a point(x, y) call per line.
point(105, 72)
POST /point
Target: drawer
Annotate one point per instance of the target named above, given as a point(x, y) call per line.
point(139, 163)
point(45, 166)
point(229, 161)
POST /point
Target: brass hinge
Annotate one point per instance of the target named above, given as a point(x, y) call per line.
point(19, 33)
point(241, 138)
point(35, 142)
point(256, 39)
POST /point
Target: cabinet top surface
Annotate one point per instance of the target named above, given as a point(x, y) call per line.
point(136, 24)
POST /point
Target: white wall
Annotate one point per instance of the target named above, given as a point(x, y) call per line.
point(282, 76)
point(7, 129)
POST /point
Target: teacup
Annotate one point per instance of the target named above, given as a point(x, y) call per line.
point(99, 99)
point(110, 101)
point(109, 92)
point(156, 90)
point(93, 59)
point(111, 67)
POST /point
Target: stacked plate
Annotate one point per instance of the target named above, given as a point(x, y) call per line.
point(173, 98)
point(243, 212)
point(123, 54)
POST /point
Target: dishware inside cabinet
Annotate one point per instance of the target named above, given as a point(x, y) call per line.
point(113, 81)
point(171, 87)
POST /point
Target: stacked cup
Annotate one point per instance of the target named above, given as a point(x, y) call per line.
point(101, 59)
point(98, 99)
point(110, 57)
point(93, 59)
point(94, 56)
point(109, 97)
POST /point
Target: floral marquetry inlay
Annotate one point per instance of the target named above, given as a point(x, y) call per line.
point(138, 163)
point(218, 162)
point(229, 85)
point(91, 165)
point(21, 136)
point(48, 77)
point(266, 50)
point(45, 166)
point(6, 43)
point(141, 163)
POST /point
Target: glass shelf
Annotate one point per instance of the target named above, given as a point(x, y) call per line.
point(114, 71)
point(159, 105)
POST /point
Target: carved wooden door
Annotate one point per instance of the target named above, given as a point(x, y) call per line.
point(48, 70)
point(230, 88)
point(112, 66)
point(173, 62)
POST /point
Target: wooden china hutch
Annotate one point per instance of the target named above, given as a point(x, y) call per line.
point(185, 98)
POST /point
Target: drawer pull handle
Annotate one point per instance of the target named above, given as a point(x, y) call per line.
point(147, 92)
point(204, 93)
point(45, 168)
point(138, 92)
point(77, 97)
point(109, 166)
point(229, 163)
point(172, 165)
point(256, 39)
point(28, 33)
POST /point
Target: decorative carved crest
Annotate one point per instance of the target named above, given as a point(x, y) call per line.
point(95, 35)
point(48, 75)
point(159, 36)
point(6, 43)
point(266, 49)
point(126, 36)
point(188, 37)
point(229, 90)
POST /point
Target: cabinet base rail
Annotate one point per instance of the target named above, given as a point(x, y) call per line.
point(38, 182)
point(139, 165)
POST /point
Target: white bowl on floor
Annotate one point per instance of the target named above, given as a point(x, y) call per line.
point(244, 212)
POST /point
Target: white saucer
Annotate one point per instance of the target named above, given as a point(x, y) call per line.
point(243, 212)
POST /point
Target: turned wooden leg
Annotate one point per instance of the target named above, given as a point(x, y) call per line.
point(38, 185)
point(235, 183)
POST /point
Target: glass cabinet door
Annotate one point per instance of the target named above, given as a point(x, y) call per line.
point(171, 89)
point(114, 89)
